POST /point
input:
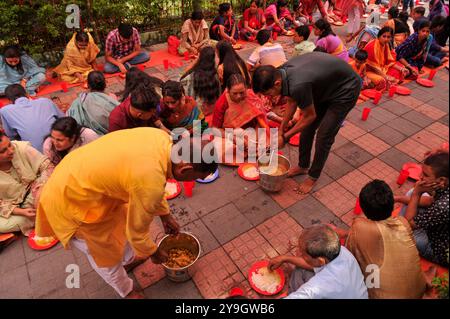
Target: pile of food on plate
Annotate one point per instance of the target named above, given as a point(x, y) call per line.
point(266, 280)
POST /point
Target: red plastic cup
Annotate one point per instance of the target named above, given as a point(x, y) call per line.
point(404, 174)
point(392, 91)
point(274, 36)
point(383, 9)
point(432, 74)
point(186, 55)
point(377, 98)
point(166, 64)
point(357, 210)
point(188, 186)
point(64, 87)
point(365, 113)
point(236, 292)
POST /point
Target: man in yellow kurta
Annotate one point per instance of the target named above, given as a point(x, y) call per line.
point(103, 196)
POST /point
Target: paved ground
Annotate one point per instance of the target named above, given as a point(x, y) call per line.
point(236, 222)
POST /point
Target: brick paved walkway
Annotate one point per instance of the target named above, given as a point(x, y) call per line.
point(236, 222)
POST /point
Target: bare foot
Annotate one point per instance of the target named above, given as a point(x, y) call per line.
point(307, 185)
point(297, 171)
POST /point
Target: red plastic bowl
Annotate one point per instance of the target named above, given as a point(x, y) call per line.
point(401, 90)
point(415, 170)
point(35, 246)
point(243, 167)
point(425, 82)
point(261, 264)
point(178, 189)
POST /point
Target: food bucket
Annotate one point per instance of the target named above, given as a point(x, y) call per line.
point(273, 183)
point(182, 240)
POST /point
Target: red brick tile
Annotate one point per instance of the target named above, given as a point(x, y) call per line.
point(372, 144)
point(428, 139)
point(351, 131)
point(377, 169)
point(354, 181)
point(282, 232)
point(336, 198)
point(413, 149)
point(216, 284)
point(439, 129)
point(430, 111)
point(148, 274)
point(409, 101)
point(288, 195)
point(247, 257)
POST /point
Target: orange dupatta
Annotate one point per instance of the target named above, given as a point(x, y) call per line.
point(239, 115)
point(381, 58)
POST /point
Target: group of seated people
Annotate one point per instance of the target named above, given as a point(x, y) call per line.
point(380, 257)
point(37, 135)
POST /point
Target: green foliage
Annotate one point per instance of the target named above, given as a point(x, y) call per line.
point(39, 25)
point(441, 285)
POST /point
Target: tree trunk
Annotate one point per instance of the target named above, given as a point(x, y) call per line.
point(197, 5)
point(90, 8)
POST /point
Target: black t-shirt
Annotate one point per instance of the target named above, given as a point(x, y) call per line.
point(320, 79)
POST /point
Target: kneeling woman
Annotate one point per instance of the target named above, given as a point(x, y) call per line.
point(382, 68)
point(23, 172)
point(66, 135)
point(179, 110)
point(238, 108)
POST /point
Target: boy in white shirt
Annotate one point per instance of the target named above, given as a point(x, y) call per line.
point(324, 268)
point(267, 53)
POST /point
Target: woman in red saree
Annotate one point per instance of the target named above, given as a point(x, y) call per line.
point(238, 108)
point(382, 68)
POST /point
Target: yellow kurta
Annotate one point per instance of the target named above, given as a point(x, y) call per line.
point(107, 193)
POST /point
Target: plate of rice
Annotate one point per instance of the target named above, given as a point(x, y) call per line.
point(173, 189)
point(264, 281)
point(41, 243)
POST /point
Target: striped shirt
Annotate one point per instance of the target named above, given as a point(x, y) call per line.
point(118, 48)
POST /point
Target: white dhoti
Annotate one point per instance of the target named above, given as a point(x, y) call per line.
point(115, 276)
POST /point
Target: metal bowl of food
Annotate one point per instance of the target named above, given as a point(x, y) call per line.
point(183, 250)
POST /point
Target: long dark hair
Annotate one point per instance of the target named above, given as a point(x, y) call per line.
point(68, 127)
point(206, 82)
point(279, 4)
point(13, 51)
point(232, 62)
point(325, 27)
point(137, 77)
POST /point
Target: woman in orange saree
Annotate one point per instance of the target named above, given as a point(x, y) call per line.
point(382, 68)
point(239, 109)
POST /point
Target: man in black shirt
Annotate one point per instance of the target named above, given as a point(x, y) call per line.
point(325, 88)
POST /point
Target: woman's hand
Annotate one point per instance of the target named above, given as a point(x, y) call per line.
point(26, 212)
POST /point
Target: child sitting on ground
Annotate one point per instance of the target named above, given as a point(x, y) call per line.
point(301, 40)
point(267, 53)
point(358, 64)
